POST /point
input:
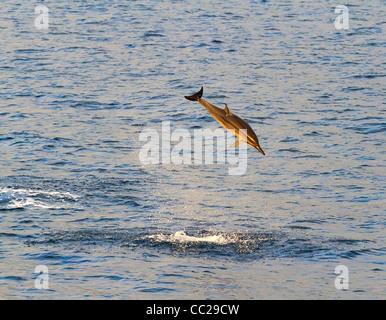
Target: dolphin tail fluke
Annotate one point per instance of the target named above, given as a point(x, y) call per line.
point(196, 96)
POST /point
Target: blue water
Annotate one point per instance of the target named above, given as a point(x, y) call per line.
point(75, 197)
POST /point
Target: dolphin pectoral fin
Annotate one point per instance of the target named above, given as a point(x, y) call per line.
point(237, 143)
point(228, 113)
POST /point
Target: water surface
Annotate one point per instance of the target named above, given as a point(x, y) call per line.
point(75, 197)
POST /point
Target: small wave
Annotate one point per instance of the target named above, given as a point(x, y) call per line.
point(11, 199)
point(21, 204)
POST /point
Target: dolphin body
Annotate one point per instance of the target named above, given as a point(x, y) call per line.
point(229, 121)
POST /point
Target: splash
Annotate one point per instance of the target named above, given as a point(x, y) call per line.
point(182, 237)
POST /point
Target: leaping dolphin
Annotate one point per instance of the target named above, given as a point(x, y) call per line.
point(229, 121)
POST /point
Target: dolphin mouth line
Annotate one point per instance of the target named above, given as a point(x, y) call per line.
point(229, 121)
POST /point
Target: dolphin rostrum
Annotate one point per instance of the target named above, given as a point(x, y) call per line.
point(229, 121)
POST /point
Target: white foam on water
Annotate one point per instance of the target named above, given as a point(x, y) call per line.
point(32, 192)
point(182, 237)
point(21, 198)
point(5, 196)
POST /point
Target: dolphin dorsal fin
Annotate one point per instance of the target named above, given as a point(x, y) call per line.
point(228, 113)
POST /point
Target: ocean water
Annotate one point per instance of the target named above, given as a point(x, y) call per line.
point(75, 197)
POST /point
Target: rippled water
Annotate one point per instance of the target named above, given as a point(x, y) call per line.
point(75, 197)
